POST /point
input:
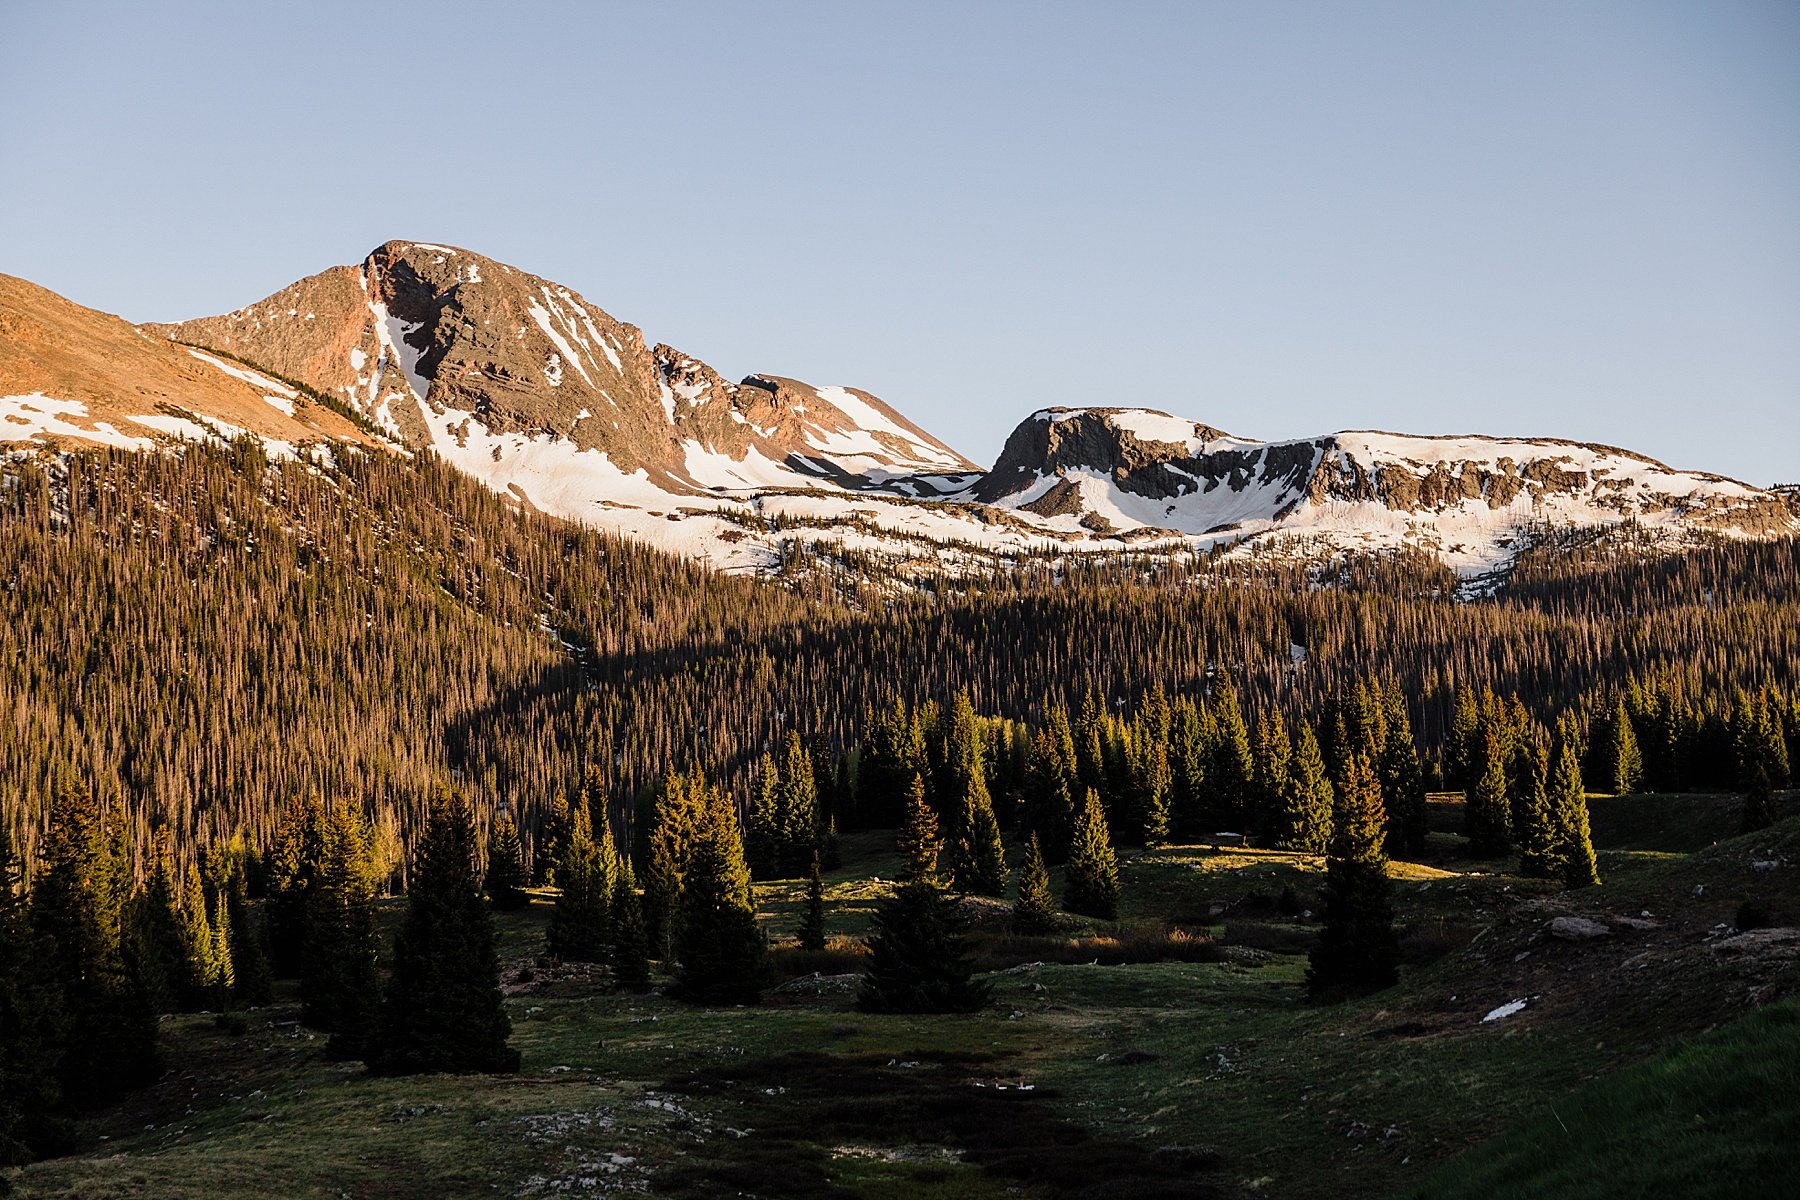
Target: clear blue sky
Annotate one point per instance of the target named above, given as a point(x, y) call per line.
point(1568, 218)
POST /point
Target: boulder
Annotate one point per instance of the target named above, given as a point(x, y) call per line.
point(1577, 929)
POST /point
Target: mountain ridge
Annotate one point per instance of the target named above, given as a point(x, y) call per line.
point(549, 400)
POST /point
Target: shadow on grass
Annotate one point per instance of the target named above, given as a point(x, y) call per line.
point(810, 1116)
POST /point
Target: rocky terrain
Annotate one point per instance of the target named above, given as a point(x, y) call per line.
point(1136, 474)
point(548, 399)
point(68, 373)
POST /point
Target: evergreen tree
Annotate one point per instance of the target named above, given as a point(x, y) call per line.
point(890, 759)
point(443, 1010)
point(1050, 784)
point(505, 881)
point(293, 868)
point(1273, 766)
point(668, 837)
point(340, 986)
point(1187, 768)
point(1574, 852)
point(631, 940)
point(719, 949)
point(580, 928)
point(551, 840)
point(31, 1028)
point(831, 852)
point(77, 910)
point(919, 840)
point(1533, 821)
point(812, 929)
point(250, 961)
point(798, 809)
point(1152, 780)
point(1091, 883)
point(976, 853)
point(1402, 779)
point(1231, 767)
point(919, 957)
point(1759, 803)
point(762, 832)
point(156, 947)
point(1462, 746)
point(1358, 951)
point(1621, 763)
point(1035, 910)
point(1488, 810)
point(207, 973)
point(1307, 803)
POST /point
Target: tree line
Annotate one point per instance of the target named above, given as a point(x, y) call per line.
point(204, 636)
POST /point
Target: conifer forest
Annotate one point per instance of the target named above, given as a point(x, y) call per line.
point(360, 754)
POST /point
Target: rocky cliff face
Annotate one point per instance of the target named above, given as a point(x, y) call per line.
point(442, 347)
point(1134, 473)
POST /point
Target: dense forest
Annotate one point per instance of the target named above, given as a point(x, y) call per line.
point(204, 637)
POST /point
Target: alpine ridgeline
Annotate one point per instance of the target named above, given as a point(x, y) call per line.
point(547, 399)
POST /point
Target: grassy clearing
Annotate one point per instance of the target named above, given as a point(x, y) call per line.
point(1715, 1118)
point(1192, 1067)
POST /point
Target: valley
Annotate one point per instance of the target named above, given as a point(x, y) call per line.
point(1203, 1077)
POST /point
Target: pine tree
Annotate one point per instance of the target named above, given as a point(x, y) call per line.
point(580, 928)
point(1050, 783)
point(976, 853)
point(1035, 910)
point(77, 910)
point(797, 809)
point(1307, 803)
point(505, 881)
point(340, 986)
point(31, 1028)
point(1152, 782)
point(443, 1010)
point(1462, 747)
point(1621, 763)
point(1533, 822)
point(293, 868)
point(1187, 764)
point(1759, 803)
point(812, 929)
point(1568, 802)
point(551, 839)
point(1091, 882)
point(1231, 768)
point(889, 762)
point(631, 940)
point(1358, 951)
point(207, 966)
point(1273, 766)
point(919, 957)
point(668, 840)
point(762, 832)
point(1402, 778)
point(1488, 811)
point(831, 852)
point(254, 981)
point(719, 949)
point(156, 947)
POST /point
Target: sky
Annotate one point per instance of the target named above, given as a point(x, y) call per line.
point(1576, 219)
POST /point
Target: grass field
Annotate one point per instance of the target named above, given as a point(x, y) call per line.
point(1130, 1060)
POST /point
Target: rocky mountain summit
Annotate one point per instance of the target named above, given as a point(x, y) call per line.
point(554, 403)
point(442, 347)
